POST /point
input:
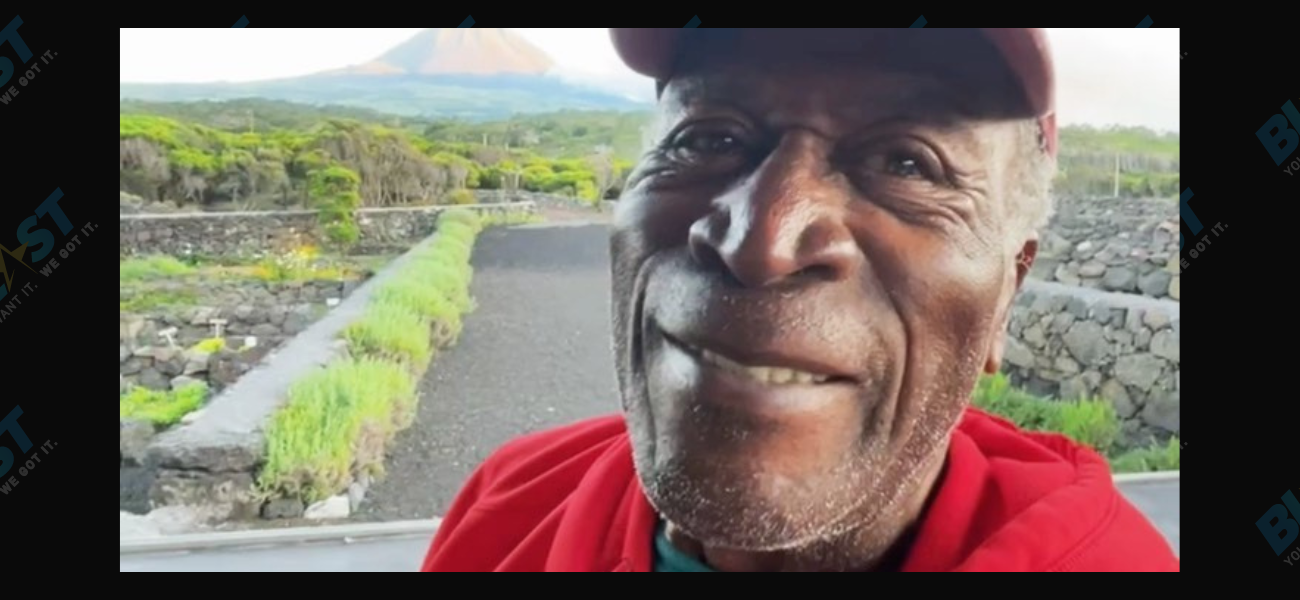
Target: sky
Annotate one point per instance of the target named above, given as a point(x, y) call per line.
point(1104, 76)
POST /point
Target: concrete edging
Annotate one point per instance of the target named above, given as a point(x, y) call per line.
point(206, 541)
point(1146, 477)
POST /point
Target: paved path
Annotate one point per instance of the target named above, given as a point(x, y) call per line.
point(536, 353)
point(404, 553)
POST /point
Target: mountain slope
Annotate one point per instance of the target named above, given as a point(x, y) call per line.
point(460, 51)
point(474, 74)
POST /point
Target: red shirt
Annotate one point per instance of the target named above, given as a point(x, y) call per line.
point(568, 499)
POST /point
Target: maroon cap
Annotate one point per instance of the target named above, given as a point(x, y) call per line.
point(654, 53)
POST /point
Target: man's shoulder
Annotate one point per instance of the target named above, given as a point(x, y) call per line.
point(567, 448)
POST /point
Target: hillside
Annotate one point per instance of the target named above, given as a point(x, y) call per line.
point(460, 51)
point(472, 74)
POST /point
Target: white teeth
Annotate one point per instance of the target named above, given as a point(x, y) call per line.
point(771, 375)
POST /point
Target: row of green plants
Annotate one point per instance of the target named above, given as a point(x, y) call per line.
point(1090, 421)
point(336, 422)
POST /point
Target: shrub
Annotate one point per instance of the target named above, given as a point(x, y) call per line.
point(211, 345)
point(162, 408)
point(1153, 458)
point(415, 295)
point(996, 395)
point(151, 267)
point(343, 232)
point(1092, 422)
point(391, 331)
point(461, 196)
point(336, 420)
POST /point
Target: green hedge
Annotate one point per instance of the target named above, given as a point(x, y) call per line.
point(336, 422)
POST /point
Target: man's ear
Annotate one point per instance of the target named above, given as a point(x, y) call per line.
point(997, 342)
point(1025, 260)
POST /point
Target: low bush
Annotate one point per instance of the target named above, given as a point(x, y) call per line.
point(1153, 458)
point(211, 345)
point(1092, 422)
point(162, 408)
point(392, 331)
point(460, 196)
point(335, 422)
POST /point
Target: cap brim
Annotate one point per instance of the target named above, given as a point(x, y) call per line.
point(653, 53)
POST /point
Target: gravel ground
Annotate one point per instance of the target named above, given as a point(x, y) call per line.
point(536, 353)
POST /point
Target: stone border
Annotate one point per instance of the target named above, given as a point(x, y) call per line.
point(345, 533)
point(212, 460)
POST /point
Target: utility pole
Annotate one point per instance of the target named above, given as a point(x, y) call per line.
point(1116, 195)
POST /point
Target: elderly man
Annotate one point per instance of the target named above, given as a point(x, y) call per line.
point(811, 267)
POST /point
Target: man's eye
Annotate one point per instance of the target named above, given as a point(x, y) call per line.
point(899, 165)
point(707, 143)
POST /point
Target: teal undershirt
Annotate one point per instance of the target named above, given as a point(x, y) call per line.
point(668, 559)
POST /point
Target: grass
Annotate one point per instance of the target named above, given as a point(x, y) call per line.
point(515, 218)
point(337, 422)
point(162, 408)
point(1154, 458)
point(146, 299)
point(1092, 422)
point(391, 331)
point(150, 268)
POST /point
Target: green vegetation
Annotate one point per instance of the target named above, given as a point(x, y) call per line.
point(335, 419)
point(514, 218)
point(151, 268)
point(1155, 458)
point(1088, 421)
point(162, 408)
point(216, 152)
point(337, 422)
point(142, 299)
point(1147, 162)
point(211, 345)
point(392, 332)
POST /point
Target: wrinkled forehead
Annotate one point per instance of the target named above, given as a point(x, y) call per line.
point(942, 74)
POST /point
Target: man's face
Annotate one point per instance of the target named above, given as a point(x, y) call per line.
point(809, 274)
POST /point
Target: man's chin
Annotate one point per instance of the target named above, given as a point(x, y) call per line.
point(735, 507)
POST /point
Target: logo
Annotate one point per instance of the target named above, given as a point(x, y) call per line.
point(1278, 139)
point(10, 34)
point(1279, 528)
point(41, 240)
point(10, 424)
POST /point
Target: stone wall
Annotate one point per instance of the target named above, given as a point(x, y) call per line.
point(258, 316)
point(1115, 244)
point(255, 233)
point(1069, 342)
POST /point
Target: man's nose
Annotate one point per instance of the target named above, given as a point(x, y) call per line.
point(785, 221)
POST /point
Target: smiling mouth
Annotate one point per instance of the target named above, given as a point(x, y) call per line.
point(763, 374)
